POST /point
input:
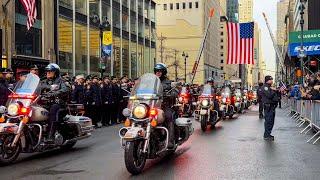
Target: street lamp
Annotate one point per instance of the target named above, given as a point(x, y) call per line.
point(185, 55)
point(302, 54)
point(104, 24)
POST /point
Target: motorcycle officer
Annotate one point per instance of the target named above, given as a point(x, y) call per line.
point(160, 70)
point(210, 81)
point(59, 93)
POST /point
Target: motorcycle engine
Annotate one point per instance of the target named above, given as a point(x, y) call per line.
point(58, 139)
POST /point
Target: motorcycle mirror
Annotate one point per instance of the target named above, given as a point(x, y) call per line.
point(3, 109)
point(126, 112)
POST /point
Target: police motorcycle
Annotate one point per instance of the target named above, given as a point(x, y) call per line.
point(208, 115)
point(246, 99)
point(226, 107)
point(238, 102)
point(24, 124)
point(144, 135)
point(185, 107)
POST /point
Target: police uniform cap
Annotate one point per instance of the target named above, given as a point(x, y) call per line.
point(267, 78)
point(80, 77)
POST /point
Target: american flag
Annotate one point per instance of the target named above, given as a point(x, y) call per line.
point(30, 7)
point(240, 43)
point(282, 86)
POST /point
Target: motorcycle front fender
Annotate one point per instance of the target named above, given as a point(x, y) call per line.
point(203, 112)
point(134, 133)
point(8, 128)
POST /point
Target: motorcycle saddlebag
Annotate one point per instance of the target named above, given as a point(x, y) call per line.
point(182, 122)
point(85, 123)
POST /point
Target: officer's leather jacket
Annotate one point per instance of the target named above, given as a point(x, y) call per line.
point(169, 97)
point(56, 89)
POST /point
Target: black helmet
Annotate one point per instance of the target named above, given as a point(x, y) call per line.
point(210, 79)
point(160, 67)
point(53, 67)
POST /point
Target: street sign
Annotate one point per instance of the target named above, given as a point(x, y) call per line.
point(310, 48)
point(107, 38)
point(308, 36)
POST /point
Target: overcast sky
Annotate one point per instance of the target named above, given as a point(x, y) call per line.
point(270, 8)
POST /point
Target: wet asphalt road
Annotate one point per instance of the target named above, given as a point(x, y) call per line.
point(234, 150)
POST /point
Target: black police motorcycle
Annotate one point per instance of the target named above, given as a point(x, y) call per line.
point(24, 123)
point(144, 135)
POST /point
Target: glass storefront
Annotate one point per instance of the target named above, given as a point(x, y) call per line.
point(65, 43)
point(116, 56)
point(125, 57)
point(134, 64)
point(128, 59)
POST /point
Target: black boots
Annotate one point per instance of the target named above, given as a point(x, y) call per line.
point(171, 143)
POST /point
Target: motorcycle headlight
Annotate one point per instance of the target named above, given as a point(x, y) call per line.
point(13, 109)
point(140, 112)
point(244, 97)
point(224, 100)
point(205, 102)
point(180, 99)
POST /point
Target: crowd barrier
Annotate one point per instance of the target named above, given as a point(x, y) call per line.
point(304, 112)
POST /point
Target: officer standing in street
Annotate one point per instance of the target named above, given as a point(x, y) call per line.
point(270, 100)
point(259, 93)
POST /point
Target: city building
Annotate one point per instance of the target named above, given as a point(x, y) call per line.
point(68, 33)
point(311, 28)
point(180, 28)
point(229, 70)
point(232, 10)
point(245, 15)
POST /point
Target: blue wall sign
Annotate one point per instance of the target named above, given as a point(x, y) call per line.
point(310, 48)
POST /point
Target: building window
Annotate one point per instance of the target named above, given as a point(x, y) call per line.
point(221, 40)
point(165, 7)
point(221, 54)
point(197, 4)
point(177, 6)
point(221, 33)
point(221, 61)
point(190, 5)
point(221, 47)
point(183, 5)
point(171, 6)
point(221, 67)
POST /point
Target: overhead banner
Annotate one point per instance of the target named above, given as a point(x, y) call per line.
point(310, 48)
point(308, 36)
point(106, 49)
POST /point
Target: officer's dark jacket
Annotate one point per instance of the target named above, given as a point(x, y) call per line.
point(78, 94)
point(4, 92)
point(259, 93)
point(60, 93)
point(269, 96)
point(97, 99)
point(106, 94)
point(88, 95)
point(116, 93)
point(169, 97)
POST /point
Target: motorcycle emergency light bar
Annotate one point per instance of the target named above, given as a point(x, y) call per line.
point(19, 96)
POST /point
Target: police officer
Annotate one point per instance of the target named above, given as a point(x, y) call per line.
point(160, 70)
point(270, 100)
point(56, 90)
point(259, 93)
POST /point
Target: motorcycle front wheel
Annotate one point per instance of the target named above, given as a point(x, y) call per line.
point(134, 158)
point(8, 154)
point(203, 121)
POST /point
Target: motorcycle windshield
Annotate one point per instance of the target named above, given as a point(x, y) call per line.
point(226, 92)
point(25, 90)
point(207, 90)
point(184, 90)
point(148, 86)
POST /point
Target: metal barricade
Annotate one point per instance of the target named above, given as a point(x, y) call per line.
point(315, 120)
